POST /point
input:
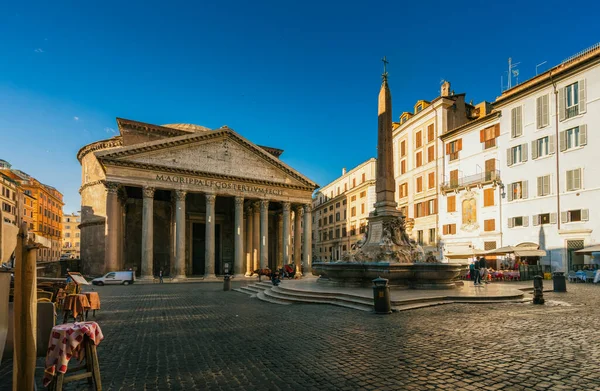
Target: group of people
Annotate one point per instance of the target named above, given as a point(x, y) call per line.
point(478, 271)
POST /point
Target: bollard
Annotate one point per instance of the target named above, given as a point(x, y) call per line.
point(538, 290)
point(381, 296)
point(559, 281)
point(227, 282)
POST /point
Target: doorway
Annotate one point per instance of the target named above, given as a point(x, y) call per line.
point(198, 247)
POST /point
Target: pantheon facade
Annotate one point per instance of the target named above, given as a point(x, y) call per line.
point(190, 201)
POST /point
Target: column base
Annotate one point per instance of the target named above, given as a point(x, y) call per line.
point(212, 277)
point(239, 276)
point(145, 278)
point(248, 274)
point(180, 278)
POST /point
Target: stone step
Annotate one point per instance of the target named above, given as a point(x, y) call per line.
point(314, 299)
point(246, 290)
point(264, 296)
point(335, 295)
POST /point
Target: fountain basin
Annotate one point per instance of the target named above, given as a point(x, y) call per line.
point(401, 275)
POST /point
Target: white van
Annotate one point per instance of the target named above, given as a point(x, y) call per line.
point(125, 278)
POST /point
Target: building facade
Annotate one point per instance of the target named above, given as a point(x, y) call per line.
point(418, 160)
point(71, 235)
point(470, 196)
point(8, 217)
point(190, 201)
point(548, 155)
point(340, 211)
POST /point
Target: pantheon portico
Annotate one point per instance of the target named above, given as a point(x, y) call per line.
point(189, 200)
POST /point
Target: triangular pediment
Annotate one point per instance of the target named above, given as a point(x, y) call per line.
point(222, 152)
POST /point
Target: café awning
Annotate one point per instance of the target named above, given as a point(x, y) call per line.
point(530, 253)
point(519, 251)
point(589, 250)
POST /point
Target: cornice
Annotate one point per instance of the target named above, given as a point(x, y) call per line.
point(187, 138)
point(127, 124)
point(99, 145)
point(184, 171)
point(471, 124)
point(90, 184)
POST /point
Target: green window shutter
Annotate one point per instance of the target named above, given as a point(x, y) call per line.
point(546, 185)
point(561, 105)
point(540, 186)
point(563, 140)
point(520, 120)
point(551, 144)
point(582, 135)
point(524, 152)
point(524, 189)
point(510, 191)
point(513, 122)
point(582, 96)
point(585, 214)
point(509, 161)
point(534, 149)
point(577, 179)
point(545, 110)
point(538, 112)
point(569, 180)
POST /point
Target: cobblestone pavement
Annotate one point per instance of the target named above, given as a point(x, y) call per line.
point(197, 337)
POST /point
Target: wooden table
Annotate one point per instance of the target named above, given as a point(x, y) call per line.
point(76, 304)
point(94, 301)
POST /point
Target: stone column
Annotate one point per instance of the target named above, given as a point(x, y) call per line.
point(209, 252)
point(255, 235)
point(287, 237)
point(264, 234)
point(180, 234)
point(172, 232)
point(113, 221)
point(298, 239)
point(279, 240)
point(147, 272)
point(238, 242)
point(249, 241)
point(122, 196)
point(307, 243)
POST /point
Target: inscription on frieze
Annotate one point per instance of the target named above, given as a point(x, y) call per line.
point(210, 184)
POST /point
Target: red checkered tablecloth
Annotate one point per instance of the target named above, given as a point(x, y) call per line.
point(65, 342)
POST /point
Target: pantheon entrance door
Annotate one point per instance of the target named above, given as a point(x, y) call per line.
point(198, 246)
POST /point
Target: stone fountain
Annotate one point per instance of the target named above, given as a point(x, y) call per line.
point(387, 250)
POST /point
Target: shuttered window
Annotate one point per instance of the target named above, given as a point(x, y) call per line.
point(431, 180)
point(419, 159)
point(430, 154)
point(451, 203)
point(403, 167)
point(542, 111)
point(488, 197)
point(488, 136)
point(403, 148)
point(453, 148)
point(516, 116)
point(454, 178)
point(419, 184)
point(418, 139)
point(403, 189)
point(574, 179)
point(430, 133)
point(449, 229)
point(489, 225)
point(543, 185)
point(571, 216)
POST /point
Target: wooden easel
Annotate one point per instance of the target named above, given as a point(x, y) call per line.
point(90, 366)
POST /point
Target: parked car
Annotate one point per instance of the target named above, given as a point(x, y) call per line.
point(125, 278)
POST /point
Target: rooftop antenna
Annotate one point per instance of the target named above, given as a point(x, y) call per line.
point(510, 71)
point(538, 65)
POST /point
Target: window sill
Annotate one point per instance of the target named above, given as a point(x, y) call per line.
point(517, 164)
point(543, 157)
point(579, 115)
point(573, 149)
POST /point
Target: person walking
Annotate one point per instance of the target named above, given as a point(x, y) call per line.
point(476, 273)
point(160, 276)
point(483, 270)
point(472, 271)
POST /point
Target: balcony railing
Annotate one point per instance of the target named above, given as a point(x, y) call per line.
point(572, 111)
point(469, 180)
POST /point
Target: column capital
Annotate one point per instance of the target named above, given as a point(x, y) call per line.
point(286, 206)
point(180, 195)
point(148, 192)
point(264, 205)
point(307, 208)
point(298, 209)
point(239, 202)
point(112, 187)
point(122, 195)
point(256, 206)
point(210, 198)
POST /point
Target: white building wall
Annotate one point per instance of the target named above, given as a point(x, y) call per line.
point(550, 238)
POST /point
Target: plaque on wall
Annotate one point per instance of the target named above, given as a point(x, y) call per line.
point(376, 232)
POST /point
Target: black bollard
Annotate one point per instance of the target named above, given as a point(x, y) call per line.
point(538, 290)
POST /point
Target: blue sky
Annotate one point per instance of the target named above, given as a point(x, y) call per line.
point(302, 76)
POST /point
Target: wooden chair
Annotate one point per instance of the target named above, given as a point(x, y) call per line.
point(90, 366)
point(43, 300)
point(45, 295)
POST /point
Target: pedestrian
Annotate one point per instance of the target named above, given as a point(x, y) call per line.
point(483, 270)
point(160, 276)
point(476, 273)
point(472, 271)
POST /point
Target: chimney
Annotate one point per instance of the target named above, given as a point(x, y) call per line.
point(344, 171)
point(445, 88)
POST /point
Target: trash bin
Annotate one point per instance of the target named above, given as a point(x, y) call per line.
point(227, 282)
point(381, 296)
point(559, 281)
